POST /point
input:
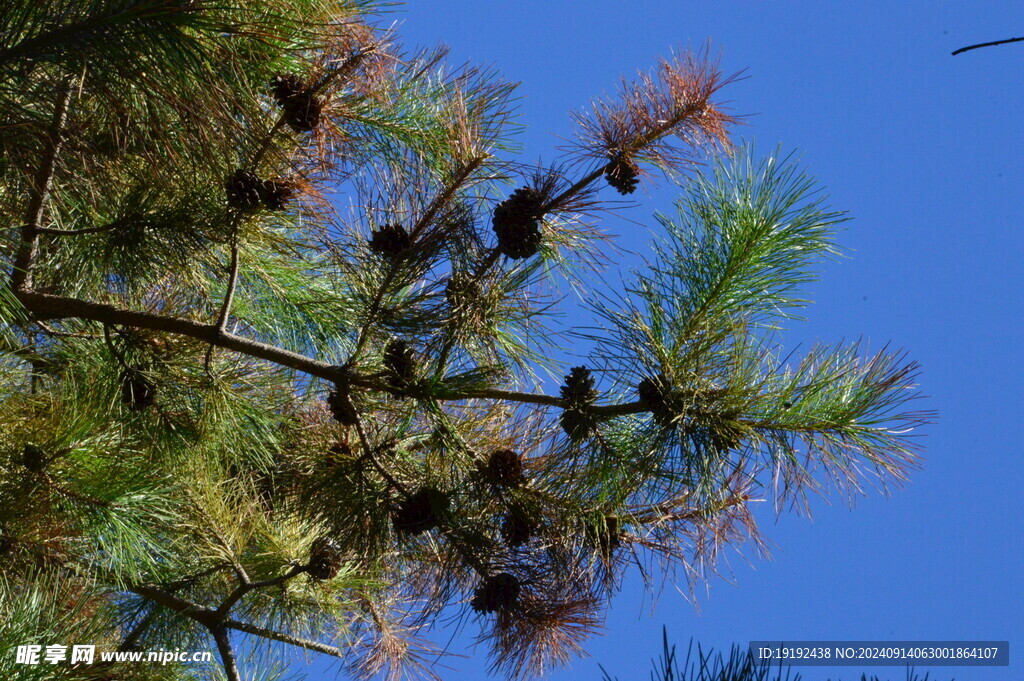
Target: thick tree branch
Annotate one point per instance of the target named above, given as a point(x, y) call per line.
point(44, 306)
point(227, 655)
point(21, 277)
point(195, 611)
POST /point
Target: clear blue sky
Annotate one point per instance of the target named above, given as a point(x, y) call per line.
point(925, 151)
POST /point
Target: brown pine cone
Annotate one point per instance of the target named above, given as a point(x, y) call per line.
point(505, 469)
point(496, 592)
point(421, 512)
point(516, 223)
point(325, 559)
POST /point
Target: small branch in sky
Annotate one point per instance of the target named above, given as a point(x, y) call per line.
point(991, 44)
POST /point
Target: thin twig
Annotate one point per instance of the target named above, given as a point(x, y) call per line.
point(991, 44)
point(75, 232)
point(229, 295)
point(246, 586)
point(65, 334)
point(422, 223)
point(282, 637)
point(137, 631)
point(368, 452)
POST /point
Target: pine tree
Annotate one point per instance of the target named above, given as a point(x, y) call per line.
point(276, 322)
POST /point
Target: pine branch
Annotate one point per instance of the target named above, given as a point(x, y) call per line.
point(227, 654)
point(24, 260)
point(446, 195)
point(56, 231)
point(245, 586)
point(55, 307)
point(45, 307)
point(273, 635)
point(990, 44)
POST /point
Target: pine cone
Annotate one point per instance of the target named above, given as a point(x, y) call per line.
point(505, 469)
point(621, 173)
point(276, 194)
point(421, 512)
point(324, 559)
point(657, 395)
point(400, 366)
point(302, 108)
point(136, 390)
point(34, 458)
point(579, 390)
point(341, 406)
point(390, 241)
point(577, 424)
point(287, 86)
point(303, 111)
point(579, 395)
point(244, 190)
point(497, 592)
point(517, 529)
point(516, 223)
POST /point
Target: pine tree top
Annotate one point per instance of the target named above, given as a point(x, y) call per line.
point(274, 336)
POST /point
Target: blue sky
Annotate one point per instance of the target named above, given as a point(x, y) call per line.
point(925, 152)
